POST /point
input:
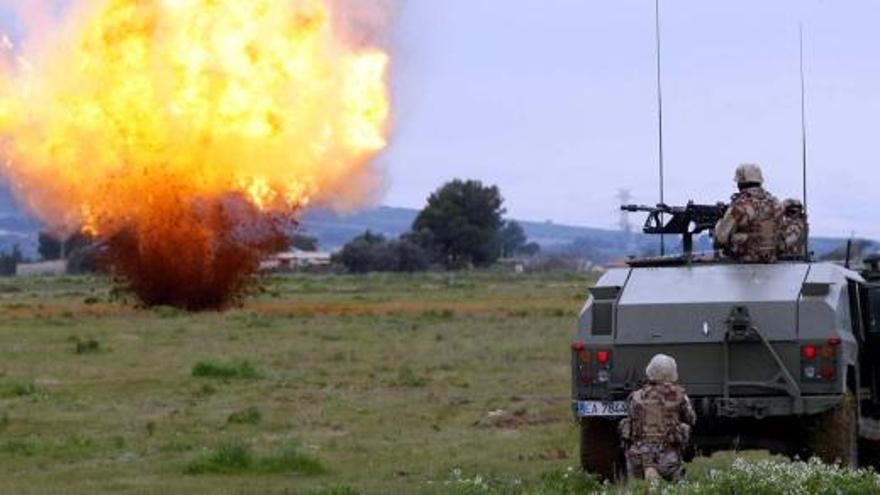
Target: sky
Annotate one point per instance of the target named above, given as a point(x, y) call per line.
point(555, 102)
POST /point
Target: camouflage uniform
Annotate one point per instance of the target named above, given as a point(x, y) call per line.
point(657, 430)
point(794, 229)
point(749, 230)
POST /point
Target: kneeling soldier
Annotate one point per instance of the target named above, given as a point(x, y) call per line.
point(659, 424)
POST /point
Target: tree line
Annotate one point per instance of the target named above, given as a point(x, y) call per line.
point(461, 226)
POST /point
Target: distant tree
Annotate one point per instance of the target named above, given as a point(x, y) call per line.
point(530, 249)
point(463, 219)
point(410, 256)
point(9, 260)
point(513, 238)
point(367, 252)
point(371, 252)
point(49, 246)
point(425, 240)
point(304, 242)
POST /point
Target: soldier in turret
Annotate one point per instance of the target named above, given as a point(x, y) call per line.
point(659, 424)
point(793, 234)
point(749, 230)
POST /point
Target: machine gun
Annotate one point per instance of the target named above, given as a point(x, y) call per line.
point(683, 220)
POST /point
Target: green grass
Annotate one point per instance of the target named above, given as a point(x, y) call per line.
point(291, 459)
point(226, 459)
point(321, 384)
point(88, 346)
point(21, 390)
point(242, 370)
point(385, 380)
point(249, 416)
point(238, 458)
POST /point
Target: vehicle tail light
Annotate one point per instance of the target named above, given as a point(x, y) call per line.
point(819, 360)
point(593, 366)
point(808, 351)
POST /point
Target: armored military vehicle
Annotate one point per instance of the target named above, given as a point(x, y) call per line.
point(783, 356)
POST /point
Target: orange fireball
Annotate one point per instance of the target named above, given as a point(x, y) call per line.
point(133, 112)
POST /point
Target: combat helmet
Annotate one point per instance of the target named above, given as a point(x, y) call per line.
point(748, 173)
point(661, 369)
point(793, 206)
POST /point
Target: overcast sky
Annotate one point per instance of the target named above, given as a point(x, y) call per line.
point(554, 101)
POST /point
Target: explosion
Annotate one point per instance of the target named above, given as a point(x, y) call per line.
point(186, 134)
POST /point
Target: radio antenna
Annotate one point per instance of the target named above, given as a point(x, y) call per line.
point(804, 142)
point(659, 113)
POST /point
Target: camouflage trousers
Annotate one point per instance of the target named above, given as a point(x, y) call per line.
point(661, 457)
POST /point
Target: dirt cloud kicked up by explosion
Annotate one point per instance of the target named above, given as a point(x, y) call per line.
point(186, 134)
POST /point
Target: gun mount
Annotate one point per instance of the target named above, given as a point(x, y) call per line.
point(683, 220)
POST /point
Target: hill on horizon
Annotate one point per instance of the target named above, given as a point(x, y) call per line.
point(333, 230)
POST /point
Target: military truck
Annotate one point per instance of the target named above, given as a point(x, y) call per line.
point(780, 356)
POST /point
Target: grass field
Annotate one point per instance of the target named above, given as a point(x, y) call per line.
point(381, 383)
point(431, 383)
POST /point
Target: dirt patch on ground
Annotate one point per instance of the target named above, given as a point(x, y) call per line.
point(305, 309)
point(39, 310)
point(428, 309)
point(516, 419)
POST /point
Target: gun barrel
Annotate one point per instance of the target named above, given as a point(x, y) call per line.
point(685, 220)
point(635, 208)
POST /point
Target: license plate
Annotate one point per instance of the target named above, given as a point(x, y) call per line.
point(587, 408)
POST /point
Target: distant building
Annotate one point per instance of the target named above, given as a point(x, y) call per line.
point(296, 260)
point(515, 265)
point(42, 269)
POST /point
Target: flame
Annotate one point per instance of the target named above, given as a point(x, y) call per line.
point(137, 112)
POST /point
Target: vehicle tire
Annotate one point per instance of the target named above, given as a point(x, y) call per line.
point(835, 434)
point(869, 453)
point(601, 453)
